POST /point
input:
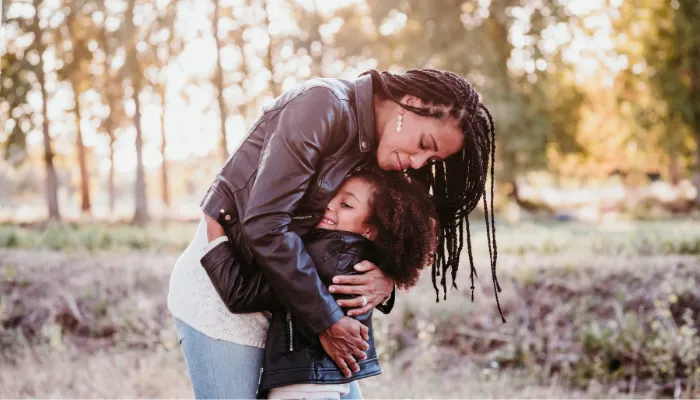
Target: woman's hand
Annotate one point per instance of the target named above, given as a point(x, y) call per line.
point(346, 342)
point(214, 229)
point(372, 283)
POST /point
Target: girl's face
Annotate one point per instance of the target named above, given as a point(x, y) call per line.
point(420, 141)
point(350, 208)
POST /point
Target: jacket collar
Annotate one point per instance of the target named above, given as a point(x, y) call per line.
point(364, 104)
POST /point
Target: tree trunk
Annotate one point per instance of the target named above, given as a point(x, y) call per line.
point(109, 122)
point(269, 64)
point(75, 85)
point(163, 146)
point(675, 173)
point(110, 179)
point(219, 81)
point(85, 206)
point(141, 215)
point(51, 178)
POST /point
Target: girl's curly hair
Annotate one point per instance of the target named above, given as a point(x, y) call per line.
point(405, 220)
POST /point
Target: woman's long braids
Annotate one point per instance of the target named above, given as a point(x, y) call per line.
point(458, 182)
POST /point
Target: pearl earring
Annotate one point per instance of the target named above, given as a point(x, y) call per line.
point(399, 122)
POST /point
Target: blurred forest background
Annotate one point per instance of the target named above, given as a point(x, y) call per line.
point(116, 115)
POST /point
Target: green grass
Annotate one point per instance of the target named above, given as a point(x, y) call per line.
point(170, 237)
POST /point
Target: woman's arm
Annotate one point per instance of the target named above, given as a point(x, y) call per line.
point(298, 134)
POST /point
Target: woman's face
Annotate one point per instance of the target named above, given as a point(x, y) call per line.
point(350, 208)
point(420, 141)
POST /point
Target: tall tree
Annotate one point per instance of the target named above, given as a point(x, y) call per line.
point(219, 79)
point(111, 92)
point(23, 70)
point(51, 178)
point(164, 46)
point(135, 74)
point(76, 72)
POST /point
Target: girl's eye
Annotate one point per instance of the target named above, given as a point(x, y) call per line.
point(346, 205)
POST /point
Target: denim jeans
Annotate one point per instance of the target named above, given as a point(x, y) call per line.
point(220, 369)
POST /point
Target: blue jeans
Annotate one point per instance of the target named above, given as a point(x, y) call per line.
point(220, 369)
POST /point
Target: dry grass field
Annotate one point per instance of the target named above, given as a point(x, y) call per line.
point(593, 311)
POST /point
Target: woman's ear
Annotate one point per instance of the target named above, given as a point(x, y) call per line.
point(411, 100)
point(370, 233)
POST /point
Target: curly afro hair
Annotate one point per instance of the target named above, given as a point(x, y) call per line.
point(405, 220)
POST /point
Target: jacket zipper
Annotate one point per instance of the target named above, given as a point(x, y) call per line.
point(259, 380)
point(300, 217)
point(291, 331)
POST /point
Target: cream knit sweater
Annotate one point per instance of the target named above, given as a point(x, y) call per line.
point(193, 299)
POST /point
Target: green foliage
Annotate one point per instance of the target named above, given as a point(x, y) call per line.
point(15, 86)
point(662, 81)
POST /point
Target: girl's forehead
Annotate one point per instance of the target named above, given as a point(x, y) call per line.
point(358, 183)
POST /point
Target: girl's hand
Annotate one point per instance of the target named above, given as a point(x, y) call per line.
point(372, 283)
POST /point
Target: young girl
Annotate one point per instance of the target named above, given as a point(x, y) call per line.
point(377, 216)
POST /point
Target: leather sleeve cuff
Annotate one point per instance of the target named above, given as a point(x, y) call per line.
point(389, 304)
point(320, 326)
point(220, 208)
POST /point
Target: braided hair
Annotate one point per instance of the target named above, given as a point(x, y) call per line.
point(459, 181)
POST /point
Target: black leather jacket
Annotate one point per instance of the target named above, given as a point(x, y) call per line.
point(293, 353)
point(276, 186)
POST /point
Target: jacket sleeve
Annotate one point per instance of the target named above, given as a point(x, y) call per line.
point(388, 305)
point(297, 137)
point(241, 287)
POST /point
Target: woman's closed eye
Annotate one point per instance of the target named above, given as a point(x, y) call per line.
point(346, 205)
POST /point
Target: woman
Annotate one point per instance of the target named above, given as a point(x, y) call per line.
point(276, 186)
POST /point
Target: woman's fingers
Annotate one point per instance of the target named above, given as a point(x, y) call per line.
point(350, 289)
point(364, 266)
point(354, 302)
point(359, 311)
point(351, 279)
point(352, 364)
point(359, 355)
point(343, 366)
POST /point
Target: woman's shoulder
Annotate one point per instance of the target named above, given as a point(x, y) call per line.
point(328, 91)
